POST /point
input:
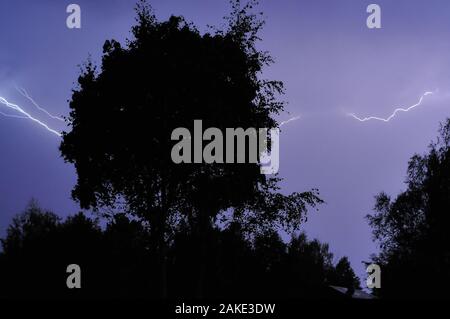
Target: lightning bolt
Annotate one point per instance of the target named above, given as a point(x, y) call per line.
point(13, 116)
point(397, 110)
point(25, 114)
point(295, 118)
point(26, 95)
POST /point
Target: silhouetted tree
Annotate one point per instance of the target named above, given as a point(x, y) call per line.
point(166, 76)
point(344, 276)
point(38, 248)
point(412, 229)
point(30, 239)
point(310, 262)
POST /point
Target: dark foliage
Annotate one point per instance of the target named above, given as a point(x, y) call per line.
point(412, 229)
point(116, 261)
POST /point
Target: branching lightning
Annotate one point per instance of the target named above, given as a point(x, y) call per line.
point(295, 118)
point(13, 116)
point(397, 110)
point(24, 114)
point(26, 95)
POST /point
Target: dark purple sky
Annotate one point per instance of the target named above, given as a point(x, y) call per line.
point(330, 62)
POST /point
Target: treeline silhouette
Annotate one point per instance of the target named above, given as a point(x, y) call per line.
point(117, 261)
point(413, 228)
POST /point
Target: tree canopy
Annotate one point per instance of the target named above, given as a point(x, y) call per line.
point(166, 76)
